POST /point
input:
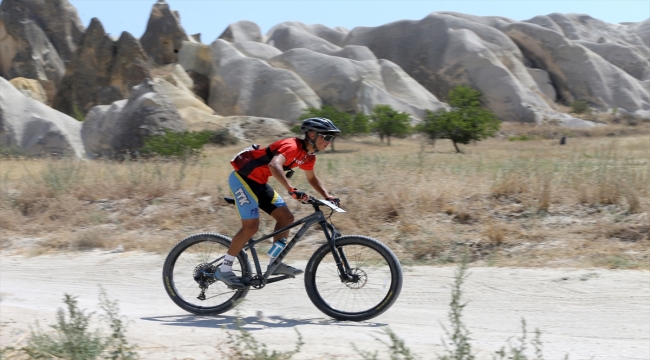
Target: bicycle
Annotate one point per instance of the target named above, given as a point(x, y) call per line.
point(350, 277)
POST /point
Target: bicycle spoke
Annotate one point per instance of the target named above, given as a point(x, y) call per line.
point(371, 285)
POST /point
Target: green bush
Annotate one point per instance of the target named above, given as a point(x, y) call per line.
point(74, 340)
point(523, 137)
point(222, 137)
point(78, 114)
point(388, 122)
point(466, 122)
point(579, 107)
point(12, 152)
point(174, 144)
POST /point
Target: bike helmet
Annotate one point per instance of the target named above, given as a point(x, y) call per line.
point(320, 125)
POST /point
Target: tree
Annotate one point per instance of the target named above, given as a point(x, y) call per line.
point(388, 122)
point(466, 122)
point(349, 124)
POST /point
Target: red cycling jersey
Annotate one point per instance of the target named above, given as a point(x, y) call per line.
point(257, 168)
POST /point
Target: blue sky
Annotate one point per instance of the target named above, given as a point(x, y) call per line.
point(211, 17)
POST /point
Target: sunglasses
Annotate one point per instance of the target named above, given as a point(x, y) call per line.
point(327, 137)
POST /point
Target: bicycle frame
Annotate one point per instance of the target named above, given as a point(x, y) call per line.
point(316, 218)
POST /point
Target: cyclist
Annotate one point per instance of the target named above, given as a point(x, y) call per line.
point(250, 188)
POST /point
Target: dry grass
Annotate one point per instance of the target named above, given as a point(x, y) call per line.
point(524, 203)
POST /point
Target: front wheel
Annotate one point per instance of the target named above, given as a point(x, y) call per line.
point(188, 270)
point(374, 281)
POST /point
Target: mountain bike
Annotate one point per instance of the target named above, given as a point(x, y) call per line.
point(350, 277)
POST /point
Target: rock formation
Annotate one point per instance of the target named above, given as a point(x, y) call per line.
point(34, 127)
point(196, 59)
point(442, 51)
point(240, 85)
point(577, 72)
point(164, 35)
point(101, 71)
point(58, 19)
point(354, 86)
point(119, 129)
point(242, 31)
point(294, 35)
point(27, 52)
point(30, 88)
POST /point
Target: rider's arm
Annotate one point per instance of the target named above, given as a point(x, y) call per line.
point(314, 181)
point(278, 173)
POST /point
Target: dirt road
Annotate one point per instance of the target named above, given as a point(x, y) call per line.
point(599, 314)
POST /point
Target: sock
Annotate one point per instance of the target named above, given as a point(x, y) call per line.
point(226, 265)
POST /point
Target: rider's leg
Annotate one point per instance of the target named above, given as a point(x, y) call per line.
point(247, 206)
point(248, 229)
point(224, 272)
point(283, 217)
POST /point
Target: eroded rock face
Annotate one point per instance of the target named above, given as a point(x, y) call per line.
point(626, 57)
point(242, 31)
point(164, 35)
point(354, 86)
point(30, 88)
point(119, 129)
point(101, 71)
point(58, 19)
point(177, 85)
point(250, 128)
point(34, 127)
point(335, 36)
point(442, 51)
point(577, 72)
point(240, 85)
point(294, 35)
point(584, 27)
point(196, 59)
point(257, 50)
point(27, 52)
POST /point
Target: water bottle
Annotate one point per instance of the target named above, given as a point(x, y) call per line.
point(277, 248)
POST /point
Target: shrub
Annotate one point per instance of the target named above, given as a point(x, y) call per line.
point(222, 137)
point(388, 122)
point(78, 114)
point(73, 338)
point(174, 144)
point(579, 107)
point(466, 122)
point(12, 152)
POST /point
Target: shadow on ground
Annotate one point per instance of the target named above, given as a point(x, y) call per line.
point(250, 323)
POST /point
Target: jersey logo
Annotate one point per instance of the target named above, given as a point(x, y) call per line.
point(241, 197)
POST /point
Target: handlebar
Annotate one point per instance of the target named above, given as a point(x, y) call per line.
point(311, 200)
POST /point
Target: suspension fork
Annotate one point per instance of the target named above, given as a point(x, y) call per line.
point(339, 256)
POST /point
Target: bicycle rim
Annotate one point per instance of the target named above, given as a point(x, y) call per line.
point(194, 258)
point(377, 284)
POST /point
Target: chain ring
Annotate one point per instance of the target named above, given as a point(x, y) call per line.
point(258, 282)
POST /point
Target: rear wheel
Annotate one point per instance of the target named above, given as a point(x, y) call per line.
point(374, 283)
point(187, 275)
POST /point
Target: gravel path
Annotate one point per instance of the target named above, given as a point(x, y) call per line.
point(599, 314)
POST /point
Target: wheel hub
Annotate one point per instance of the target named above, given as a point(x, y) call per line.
point(203, 274)
point(359, 279)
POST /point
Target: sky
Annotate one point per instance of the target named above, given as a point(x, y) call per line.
point(211, 17)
